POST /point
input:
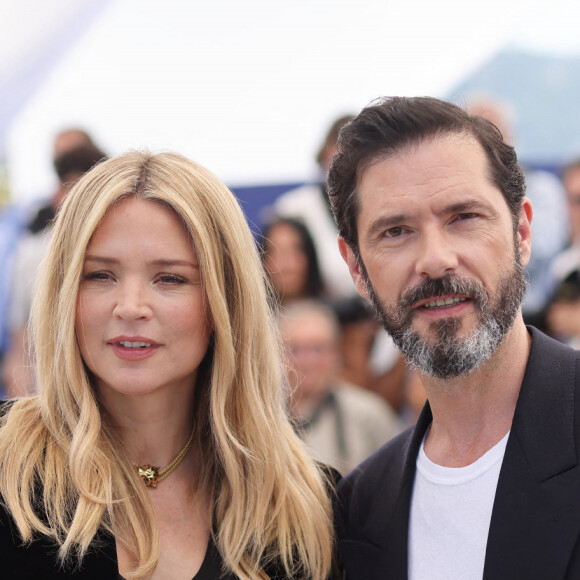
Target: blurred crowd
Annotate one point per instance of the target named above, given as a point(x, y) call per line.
point(349, 389)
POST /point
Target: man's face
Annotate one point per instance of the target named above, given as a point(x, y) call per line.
point(439, 260)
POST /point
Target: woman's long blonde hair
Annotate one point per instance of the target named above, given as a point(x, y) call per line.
point(269, 500)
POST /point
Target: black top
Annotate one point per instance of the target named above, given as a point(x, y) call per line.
point(39, 559)
point(211, 567)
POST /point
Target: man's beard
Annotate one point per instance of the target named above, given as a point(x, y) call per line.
point(447, 355)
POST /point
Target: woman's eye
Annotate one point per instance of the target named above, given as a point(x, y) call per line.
point(98, 276)
point(171, 279)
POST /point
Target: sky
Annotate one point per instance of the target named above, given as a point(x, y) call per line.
point(249, 88)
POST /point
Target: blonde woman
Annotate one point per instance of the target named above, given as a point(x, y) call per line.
point(158, 445)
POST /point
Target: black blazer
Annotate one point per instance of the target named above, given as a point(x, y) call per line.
point(535, 524)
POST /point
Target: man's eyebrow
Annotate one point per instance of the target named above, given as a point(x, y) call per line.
point(384, 223)
point(466, 206)
point(109, 260)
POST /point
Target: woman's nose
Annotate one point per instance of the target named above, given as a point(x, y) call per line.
point(132, 302)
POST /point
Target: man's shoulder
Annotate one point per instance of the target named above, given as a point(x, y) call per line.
point(542, 344)
point(370, 501)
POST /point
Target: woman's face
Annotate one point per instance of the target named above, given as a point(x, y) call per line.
point(286, 262)
point(141, 318)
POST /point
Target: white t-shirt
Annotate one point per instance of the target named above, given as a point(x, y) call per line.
point(450, 515)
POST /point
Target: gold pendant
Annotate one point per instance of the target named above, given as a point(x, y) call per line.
point(149, 474)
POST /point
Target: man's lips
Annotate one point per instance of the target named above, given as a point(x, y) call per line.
point(133, 348)
point(439, 302)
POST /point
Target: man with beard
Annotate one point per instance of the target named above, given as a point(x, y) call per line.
point(435, 228)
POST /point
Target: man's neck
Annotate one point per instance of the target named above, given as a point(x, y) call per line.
point(473, 413)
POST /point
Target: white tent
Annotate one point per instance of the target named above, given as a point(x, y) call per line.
point(246, 88)
point(35, 37)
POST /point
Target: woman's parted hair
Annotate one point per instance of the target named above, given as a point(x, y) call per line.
point(249, 450)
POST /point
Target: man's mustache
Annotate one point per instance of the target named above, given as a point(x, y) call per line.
point(438, 287)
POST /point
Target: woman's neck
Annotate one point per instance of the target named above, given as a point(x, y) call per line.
point(152, 429)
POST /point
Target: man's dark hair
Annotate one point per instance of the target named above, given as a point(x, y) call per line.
point(389, 125)
point(77, 161)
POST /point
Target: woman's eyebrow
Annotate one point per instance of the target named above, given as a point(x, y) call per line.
point(158, 262)
point(102, 259)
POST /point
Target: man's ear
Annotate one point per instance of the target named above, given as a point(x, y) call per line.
point(354, 267)
point(525, 230)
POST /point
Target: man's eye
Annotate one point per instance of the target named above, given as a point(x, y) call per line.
point(394, 232)
point(466, 216)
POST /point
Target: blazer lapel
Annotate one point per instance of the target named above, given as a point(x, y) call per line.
point(373, 531)
point(535, 519)
point(396, 542)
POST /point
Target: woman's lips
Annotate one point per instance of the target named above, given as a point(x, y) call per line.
point(133, 348)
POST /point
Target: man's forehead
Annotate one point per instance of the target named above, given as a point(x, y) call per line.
point(412, 146)
point(449, 158)
point(453, 176)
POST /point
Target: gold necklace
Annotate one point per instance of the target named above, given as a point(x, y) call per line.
point(153, 475)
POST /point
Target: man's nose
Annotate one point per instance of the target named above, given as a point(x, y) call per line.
point(132, 301)
point(437, 255)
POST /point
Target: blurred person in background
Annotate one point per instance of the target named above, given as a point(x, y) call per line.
point(15, 221)
point(291, 261)
point(563, 316)
point(369, 357)
point(340, 422)
point(310, 204)
point(69, 139)
point(550, 224)
point(70, 165)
